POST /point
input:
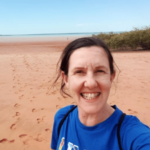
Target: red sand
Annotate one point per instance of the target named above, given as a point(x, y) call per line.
point(27, 105)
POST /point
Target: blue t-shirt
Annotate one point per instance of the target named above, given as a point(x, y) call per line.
point(76, 136)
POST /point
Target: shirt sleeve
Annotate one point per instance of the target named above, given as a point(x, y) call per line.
point(142, 142)
point(57, 119)
point(135, 135)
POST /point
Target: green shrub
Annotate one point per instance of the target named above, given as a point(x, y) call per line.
point(127, 40)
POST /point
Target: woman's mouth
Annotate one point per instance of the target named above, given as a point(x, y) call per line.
point(90, 96)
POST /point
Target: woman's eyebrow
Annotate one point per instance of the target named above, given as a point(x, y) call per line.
point(97, 67)
point(101, 67)
point(78, 68)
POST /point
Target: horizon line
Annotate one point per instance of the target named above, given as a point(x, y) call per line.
point(60, 33)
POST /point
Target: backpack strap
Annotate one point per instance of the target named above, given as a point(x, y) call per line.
point(118, 130)
point(62, 121)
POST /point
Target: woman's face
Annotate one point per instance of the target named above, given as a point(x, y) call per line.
point(89, 78)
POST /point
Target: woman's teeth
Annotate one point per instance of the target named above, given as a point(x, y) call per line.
point(89, 96)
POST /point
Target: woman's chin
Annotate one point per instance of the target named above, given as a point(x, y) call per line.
point(89, 109)
point(90, 106)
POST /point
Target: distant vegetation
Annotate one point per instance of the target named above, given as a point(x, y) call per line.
point(138, 39)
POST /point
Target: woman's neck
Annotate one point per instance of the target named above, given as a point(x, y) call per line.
point(96, 118)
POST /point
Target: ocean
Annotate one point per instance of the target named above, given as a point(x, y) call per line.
point(61, 34)
point(46, 37)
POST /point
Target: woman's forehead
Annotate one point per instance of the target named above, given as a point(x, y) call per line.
point(88, 57)
point(92, 50)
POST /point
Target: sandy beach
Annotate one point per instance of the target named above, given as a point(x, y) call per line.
point(28, 105)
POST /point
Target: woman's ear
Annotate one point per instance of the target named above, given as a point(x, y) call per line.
point(113, 76)
point(65, 79)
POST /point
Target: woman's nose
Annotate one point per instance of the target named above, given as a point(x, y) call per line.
point(90, 82)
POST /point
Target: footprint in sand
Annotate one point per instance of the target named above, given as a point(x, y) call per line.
point(22, 135)
point(12, 141)
point(58, 106)
point(132, 112)
point(38, 138)
point(18, 119)
point(20, 90)
point(16, 105)
point(25, 142)
point(54, 92)
point(13, 126)
point(33, 110)
point(59, 98)
point(20, 97)
point(17, 113)
point(3, 140)
point(39, 120)
point(135, 112)
point(47, 130)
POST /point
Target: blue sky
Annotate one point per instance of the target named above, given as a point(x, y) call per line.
point(72, 16)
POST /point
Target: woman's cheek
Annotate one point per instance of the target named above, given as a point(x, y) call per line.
point(75, 86)
point(105, 84)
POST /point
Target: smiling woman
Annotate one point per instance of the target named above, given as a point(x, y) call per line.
point(89, 81)
point(87, 71)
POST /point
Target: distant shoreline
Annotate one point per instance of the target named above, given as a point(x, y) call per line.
point(31, 39)
point(60, 34)
point(45, 37)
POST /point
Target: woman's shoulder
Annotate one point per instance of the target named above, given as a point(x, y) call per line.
point(133, 132)
point(63, 111)
point(58, 118)
point(133, 122)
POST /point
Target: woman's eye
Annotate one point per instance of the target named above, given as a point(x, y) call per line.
point(79, 71)
point(100, 70)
